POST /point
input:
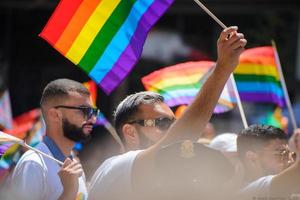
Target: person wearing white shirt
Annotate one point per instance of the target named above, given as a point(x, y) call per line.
point(69, 118)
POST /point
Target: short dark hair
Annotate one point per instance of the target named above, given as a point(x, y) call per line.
point(256, 136)
point(60, 88)
point(127, 109)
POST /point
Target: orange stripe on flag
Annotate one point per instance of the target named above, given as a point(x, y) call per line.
point(59, 20)
point(76, 24)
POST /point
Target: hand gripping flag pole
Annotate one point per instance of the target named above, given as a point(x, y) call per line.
point(239, 103)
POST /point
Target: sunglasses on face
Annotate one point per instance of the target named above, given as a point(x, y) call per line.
point(88, 112)
point(162, 123)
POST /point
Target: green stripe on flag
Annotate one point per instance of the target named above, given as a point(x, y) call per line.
point(105, 35)
point(256, 78)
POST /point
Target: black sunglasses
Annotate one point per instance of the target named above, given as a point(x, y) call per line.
point(88, 112)
point(163, 123)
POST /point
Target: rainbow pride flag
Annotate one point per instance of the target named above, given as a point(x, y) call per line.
point(257, 77)
point(103, 37)
point(179, 84)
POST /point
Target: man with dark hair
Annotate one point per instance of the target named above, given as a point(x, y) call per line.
point(69, 118)
point(133, 175)
point(141, 119)
point(263, 150)
point(284, 185)
point(265, 154)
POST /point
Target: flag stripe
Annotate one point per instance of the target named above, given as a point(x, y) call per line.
point(260, 59)
point(120, 40)
point(174, 87)
point(171, 74)
point(91, 29)
point(255, 78)
point(255, 69)
point(179, 80)
point(59, 20)
point(75, 25)
point(263, 97)
point(106, 34)
point(133, 51)
point(258, 87)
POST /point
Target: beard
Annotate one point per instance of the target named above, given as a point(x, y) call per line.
point(73, 132)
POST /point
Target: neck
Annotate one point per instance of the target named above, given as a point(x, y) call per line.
point(63, 143)
point(252, 174)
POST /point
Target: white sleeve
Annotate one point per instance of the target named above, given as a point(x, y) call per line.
point(259, 188)
point(28, 181)
point(112, 180)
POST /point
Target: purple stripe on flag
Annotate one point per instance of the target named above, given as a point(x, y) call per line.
point(133, 51)
point(220, 108)
point(263, 97)
point(179, 101)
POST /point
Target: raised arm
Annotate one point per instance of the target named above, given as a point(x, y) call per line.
point(230, 45)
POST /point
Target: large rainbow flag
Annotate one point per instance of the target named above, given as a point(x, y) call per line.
point(257, 77)
point(179, 84)
point(103, 37)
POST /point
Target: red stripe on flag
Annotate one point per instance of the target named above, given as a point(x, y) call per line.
point(59, 20)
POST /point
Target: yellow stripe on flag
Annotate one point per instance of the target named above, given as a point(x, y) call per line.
point(91, 29)
point(191, 79)
point(257, 70)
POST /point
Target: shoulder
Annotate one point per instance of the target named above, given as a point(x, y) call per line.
point(116, 165)
point(259, 187)
point(113, 174)
point(30, 157)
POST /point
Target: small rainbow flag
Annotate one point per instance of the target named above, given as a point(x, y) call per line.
point(103, 37)
point(257, 77)
point(179, 84)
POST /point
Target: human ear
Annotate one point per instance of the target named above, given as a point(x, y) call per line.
point(54, 114)
point(130, 135)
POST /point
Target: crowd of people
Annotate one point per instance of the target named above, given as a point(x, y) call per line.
point(164, 157)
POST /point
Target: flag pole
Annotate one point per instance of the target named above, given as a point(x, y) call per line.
point(238, 100)
point(42, 153)
point(4, 137)
point(239, 103)
point(285, 92)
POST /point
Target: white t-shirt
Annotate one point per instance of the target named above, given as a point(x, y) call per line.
point(259, 188)
point(112, 180)
point(35, 177)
